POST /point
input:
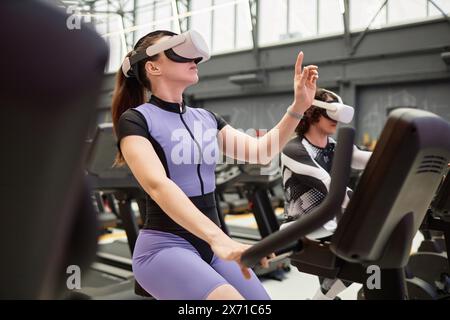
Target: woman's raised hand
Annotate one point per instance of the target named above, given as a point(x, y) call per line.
point(304, 85)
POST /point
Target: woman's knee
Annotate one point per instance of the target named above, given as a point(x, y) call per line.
point(224, 292)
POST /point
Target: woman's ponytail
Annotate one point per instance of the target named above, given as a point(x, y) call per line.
point(128, 93)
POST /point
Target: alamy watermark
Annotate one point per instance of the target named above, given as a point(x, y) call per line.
point(75, 18)
point(73, 281)
point(200, 145)
point(373, 281)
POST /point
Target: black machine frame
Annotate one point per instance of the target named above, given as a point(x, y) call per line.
point(384, 213)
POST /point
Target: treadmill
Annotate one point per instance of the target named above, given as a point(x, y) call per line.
point(112, 272)
point(230, 199)
point(256, 186)
point(384, 213)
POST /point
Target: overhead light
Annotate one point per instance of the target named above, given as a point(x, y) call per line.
point(247, 78)
point(446, 57)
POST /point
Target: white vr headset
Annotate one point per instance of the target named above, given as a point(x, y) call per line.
point(191, 46)
point(185, 47)
point(336, 110)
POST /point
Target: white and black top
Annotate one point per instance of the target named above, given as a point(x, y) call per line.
point(306, 178)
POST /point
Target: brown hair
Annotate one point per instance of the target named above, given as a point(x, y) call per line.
point(313, 114)
point(132, 91)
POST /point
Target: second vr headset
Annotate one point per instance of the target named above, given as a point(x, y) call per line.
point(337, 111)
point(185, 47)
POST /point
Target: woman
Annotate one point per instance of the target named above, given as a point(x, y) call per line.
point(182, 253)
point(306, 164)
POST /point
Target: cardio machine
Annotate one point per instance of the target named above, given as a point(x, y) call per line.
point(384, 213)
point(47, 222)
point(111, 274)
point(431, 262)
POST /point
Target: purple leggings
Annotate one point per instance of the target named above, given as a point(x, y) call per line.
point(170, 268)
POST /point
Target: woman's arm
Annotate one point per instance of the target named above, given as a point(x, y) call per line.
point(149, 171)
point(240, 146)
point(143, 161)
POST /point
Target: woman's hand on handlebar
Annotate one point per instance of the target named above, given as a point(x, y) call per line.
point(229, 249)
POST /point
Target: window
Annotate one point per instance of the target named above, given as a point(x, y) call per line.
point(162, 17)
point(363, 11)
point(443, 4)
point(287, 19)
point(201, 21)
point(243, 26)
point(303, 18)
point(330, 17)
point(401, 11)
point(145, 14)
point(111, 27)
point(116, 41)
point(272, 21)
point(223, 26)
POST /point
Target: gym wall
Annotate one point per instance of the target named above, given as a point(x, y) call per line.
point(375, 102)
